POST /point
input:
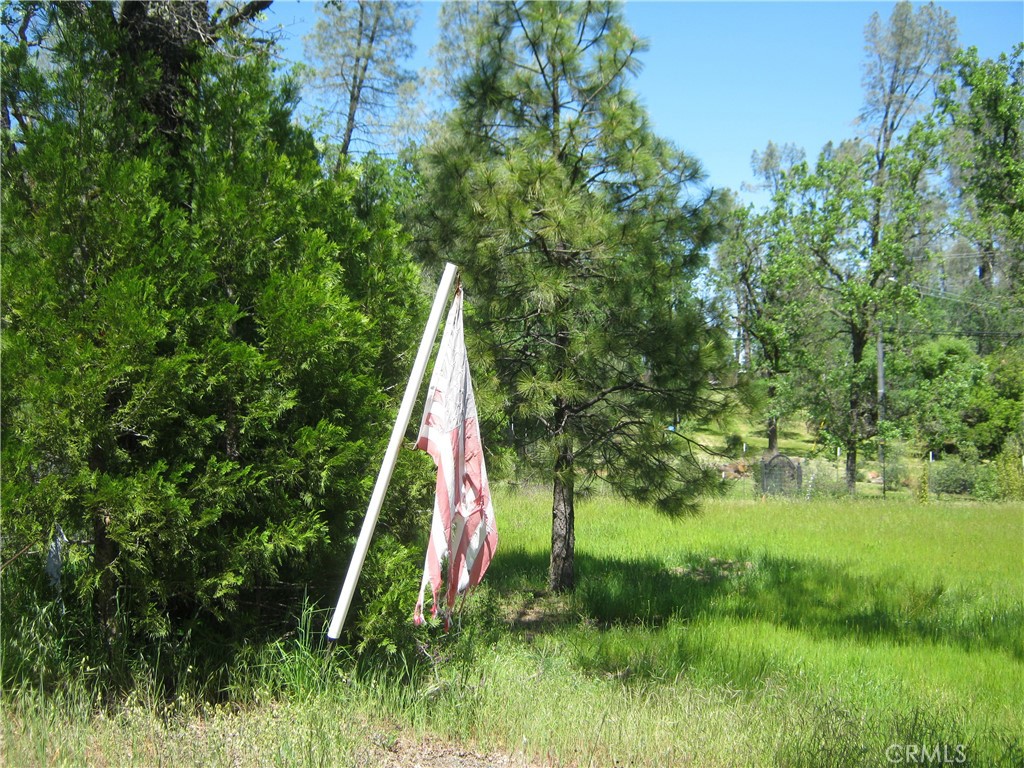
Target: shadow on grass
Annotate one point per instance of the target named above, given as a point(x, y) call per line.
point(644, 621)
point(818, 598)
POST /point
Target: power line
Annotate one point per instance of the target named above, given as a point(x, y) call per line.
point(964, 255)
point(961, 332)
point(936, 293)
point(947, 261)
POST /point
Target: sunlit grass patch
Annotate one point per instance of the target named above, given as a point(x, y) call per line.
point(882, 619)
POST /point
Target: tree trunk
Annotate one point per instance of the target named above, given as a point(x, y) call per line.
point(772, 425)
point(104, 598)
point(746, 351)
point(561, 575)
point(986, 265)
point(851, 465)
point(859, 340)
point(359, 67)
point(173, 33)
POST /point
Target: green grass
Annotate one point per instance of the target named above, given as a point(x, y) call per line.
point(873, 621)
point(774, 633)
point(794, 438)
point(68, 729)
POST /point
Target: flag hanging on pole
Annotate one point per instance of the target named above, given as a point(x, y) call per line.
point(419, 366)
point(463, 532)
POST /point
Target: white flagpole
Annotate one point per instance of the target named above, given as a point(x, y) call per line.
point(391, 455)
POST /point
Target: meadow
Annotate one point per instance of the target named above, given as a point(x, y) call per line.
point(760, 633)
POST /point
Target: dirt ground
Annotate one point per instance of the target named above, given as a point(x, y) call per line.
point(406, 752)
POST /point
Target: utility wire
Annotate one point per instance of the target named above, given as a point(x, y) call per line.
point(936, 293)
point(928, 332)
point(956, 256)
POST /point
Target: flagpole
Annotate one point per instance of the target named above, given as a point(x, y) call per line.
point(391, 455)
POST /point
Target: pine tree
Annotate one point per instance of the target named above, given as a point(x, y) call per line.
point(579, 232)
point(357, 47)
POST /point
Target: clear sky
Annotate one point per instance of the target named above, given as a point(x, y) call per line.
point(721, 79)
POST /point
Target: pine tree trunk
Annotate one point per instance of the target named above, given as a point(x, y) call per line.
point(360, 67)
point(561, 576)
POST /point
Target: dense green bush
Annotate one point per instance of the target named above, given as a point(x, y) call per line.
point(822, 480)
point(954, 475)
point(202, 333)
point(965, 474)
point(1009, 471)
point(388, 593)
point(896, 473)
point(954, 396)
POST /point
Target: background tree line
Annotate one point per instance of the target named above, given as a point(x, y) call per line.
point(879, 291)
point(208, 309)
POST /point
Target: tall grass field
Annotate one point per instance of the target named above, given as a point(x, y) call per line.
point(760, 633)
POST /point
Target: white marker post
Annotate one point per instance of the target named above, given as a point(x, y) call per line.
point(391, 455)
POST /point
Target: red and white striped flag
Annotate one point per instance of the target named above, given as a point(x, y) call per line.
point(463, 532)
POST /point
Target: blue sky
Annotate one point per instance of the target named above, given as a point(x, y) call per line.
point(721, 79)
